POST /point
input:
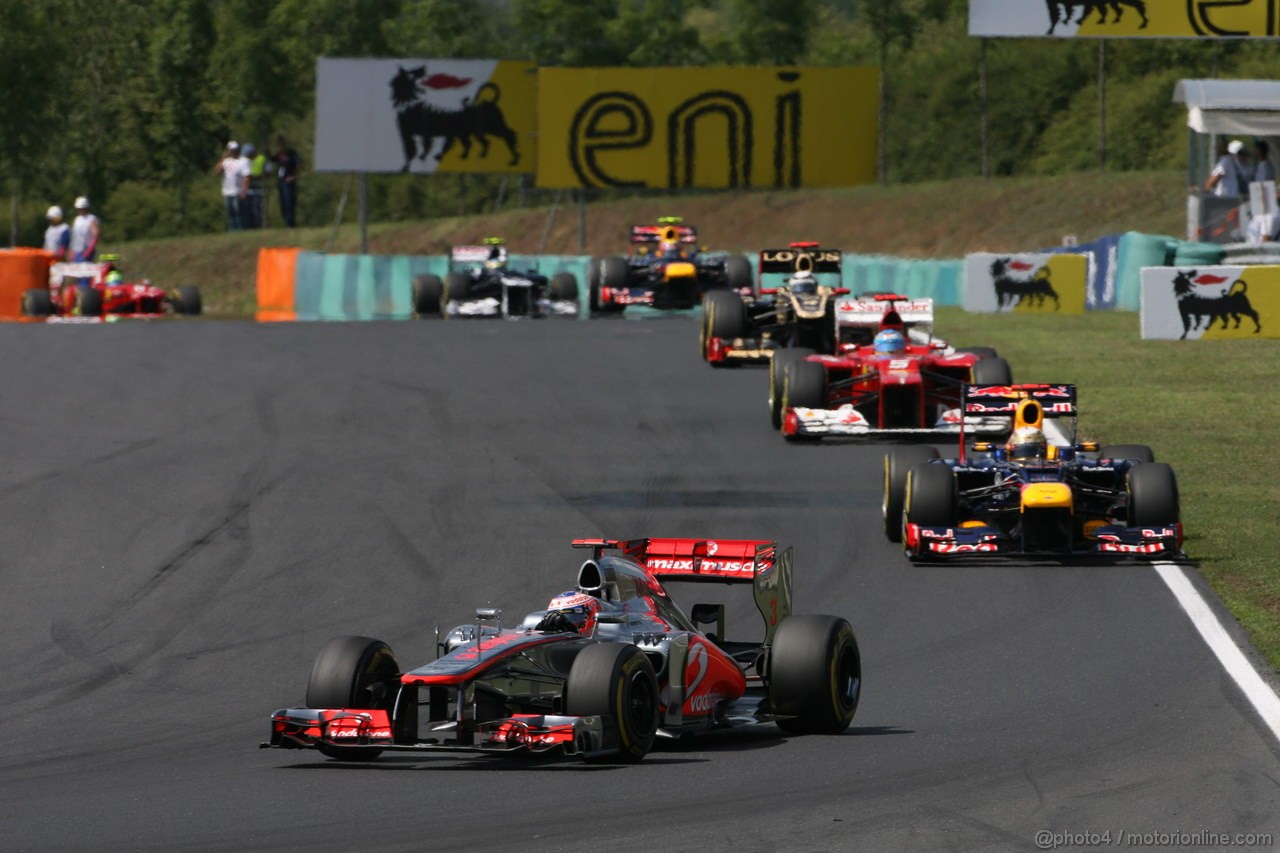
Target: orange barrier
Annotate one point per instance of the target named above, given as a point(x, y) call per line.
point(21, 270)
point(276, 270)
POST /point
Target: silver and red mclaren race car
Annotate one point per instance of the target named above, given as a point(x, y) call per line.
point(604, 671)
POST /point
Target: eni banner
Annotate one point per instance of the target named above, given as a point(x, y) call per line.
point(424, 115)
point(1202, 19)
point(720, 127)
point(1028, 282)
point(1209, 303)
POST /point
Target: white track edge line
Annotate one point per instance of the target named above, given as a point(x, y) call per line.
point(1233, 660)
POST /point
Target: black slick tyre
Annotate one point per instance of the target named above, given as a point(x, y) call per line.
point(564, 287)
point(37, 302)
point(456, 288)
point(428, 291)
point(353, 672)
point(724, 315)
point(815, 674)
point(188, 300)
point(931, 499)
point(777, 365)
point(897, 463)
point(991, 371)
point(1136, 452)
point(737, 273)
point(1153, 495)
point(88, 301)
point(616, 680)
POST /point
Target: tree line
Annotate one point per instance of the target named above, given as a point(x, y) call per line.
point(131, 101)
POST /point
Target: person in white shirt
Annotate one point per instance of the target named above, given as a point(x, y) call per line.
point(57, 237)
point(235, 185)
point(1231, 176)
point(84, 233)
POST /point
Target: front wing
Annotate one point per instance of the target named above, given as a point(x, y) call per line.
point(1110, 540)
point(491, 307)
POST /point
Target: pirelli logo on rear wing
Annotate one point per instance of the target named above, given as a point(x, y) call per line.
point(1056, 401)
point(793, 260)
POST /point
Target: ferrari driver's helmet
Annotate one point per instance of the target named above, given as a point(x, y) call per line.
point(578, 609)
point(890, 342)
point(1028, 442)
point(114, 278)
point(803, 282)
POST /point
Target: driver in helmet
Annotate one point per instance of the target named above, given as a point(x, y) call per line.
point(497, 260)
point(1028, 442)
point(114, 279)
point(890, 342)
point(802, 282)
point(571, 611)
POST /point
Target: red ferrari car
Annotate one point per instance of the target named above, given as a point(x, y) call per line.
point(100, 289)
point(889, 376)
point(606, 669)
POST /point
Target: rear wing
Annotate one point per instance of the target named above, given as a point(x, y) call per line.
point(754, 561)
point(800, 258)
point(1056, 401)
point(643, 234)
point(864, 311)
point(469, 254)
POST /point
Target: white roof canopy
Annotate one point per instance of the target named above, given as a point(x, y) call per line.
point(1231, 107)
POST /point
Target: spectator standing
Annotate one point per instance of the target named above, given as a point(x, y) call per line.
point(256, 217)
point(235, 184)
point(1263, 168)
point(57, 237)
point(287, 161)
point(84, 233)
point(1232, 175)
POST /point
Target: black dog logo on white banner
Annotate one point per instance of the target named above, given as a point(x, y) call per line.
point(420, 122)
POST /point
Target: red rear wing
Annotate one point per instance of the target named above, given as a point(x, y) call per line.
point(655, 233)
point(693, 559)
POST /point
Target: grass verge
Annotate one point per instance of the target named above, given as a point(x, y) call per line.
point(1208, 409)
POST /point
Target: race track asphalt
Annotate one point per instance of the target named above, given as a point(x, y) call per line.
point(191, 509)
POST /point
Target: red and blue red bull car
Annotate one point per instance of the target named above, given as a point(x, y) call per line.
point(605, 670)
point(889, 375)
point(1039, 491)
point(93, 290)
point(666, 269)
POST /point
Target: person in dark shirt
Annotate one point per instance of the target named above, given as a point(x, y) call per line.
point(286, 160)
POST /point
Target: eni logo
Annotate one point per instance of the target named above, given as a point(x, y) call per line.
point(617, 120)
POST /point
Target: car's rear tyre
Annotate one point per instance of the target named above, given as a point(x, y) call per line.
point(353, 672)
point(186, 300)
point(991, 371)
point(815, 674)
point(1153, 495)
point(88, 301)
point(931, 498)
point(428, 290)
point(617, 680)
point(777, 366)
point(737, 273)
point(724, 315)
point(564, 287)
point(37, 302)
point(1136, 452)
point(897, 463)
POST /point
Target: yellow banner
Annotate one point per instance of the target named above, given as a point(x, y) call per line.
point(706, 127)
point(1125, 18)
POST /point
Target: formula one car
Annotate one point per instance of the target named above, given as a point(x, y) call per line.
point(606, 669)
point(666, 269)
point(1040, 491)
point(890, 375)
point(799, 312)
point(96, 289)
point(479, 284)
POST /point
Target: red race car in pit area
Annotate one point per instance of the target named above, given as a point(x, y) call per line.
point(890, 375)
point(609, 667)
point(99, 289)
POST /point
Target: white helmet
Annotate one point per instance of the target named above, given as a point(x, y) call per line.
point(1028, 442)
point(55, 212)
